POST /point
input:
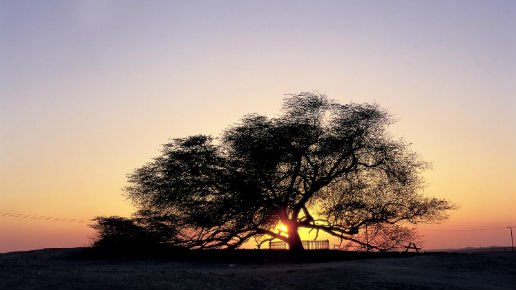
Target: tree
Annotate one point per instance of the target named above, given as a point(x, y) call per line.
point(321, 165)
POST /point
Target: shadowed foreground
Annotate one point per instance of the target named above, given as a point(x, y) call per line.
point(63, 269)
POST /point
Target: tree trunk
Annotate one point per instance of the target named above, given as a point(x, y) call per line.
point(294, 240)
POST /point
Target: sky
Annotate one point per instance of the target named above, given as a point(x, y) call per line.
point(89, 90)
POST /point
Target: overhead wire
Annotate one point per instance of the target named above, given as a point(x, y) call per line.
point(76, 220)
point(41, 217)
point(467, 230)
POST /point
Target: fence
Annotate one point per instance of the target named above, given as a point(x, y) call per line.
point(308, 245)
point(277, 246)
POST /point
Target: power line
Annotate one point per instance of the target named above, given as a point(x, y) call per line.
point(74, 220)
point(41, 217)
point(465, 230)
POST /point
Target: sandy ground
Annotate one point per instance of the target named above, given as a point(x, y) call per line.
point(53, 269)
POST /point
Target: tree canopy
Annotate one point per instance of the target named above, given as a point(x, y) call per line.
point(320, 165)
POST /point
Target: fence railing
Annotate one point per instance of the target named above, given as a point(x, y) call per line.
point(308, 245)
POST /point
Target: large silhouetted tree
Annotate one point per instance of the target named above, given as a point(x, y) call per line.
point(320, 165)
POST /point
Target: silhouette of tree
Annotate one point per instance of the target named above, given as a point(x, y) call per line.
point(321, 165)
point(116, 232)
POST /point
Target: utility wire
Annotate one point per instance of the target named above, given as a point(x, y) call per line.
point(74, 220)
point(41, 217)
point(465, 230)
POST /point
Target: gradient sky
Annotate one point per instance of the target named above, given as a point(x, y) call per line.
point(90, 89)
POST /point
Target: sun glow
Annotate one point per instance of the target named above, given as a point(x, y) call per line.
point(282, 229)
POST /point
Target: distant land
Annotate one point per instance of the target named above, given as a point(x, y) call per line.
point(473, 250)
point(447, 250)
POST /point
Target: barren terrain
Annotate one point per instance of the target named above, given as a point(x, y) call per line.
point(62, 269)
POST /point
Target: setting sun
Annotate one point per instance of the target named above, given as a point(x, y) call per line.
point(282, 229)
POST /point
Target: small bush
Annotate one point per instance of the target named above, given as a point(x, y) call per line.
point(119, 234)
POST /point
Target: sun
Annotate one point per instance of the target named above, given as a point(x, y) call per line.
point(282, 229)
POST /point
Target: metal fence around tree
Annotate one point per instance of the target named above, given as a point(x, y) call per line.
point(308, 245)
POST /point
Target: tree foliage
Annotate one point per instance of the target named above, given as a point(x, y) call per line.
point(321, 165)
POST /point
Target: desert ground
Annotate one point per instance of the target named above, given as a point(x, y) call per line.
point(61, 269)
